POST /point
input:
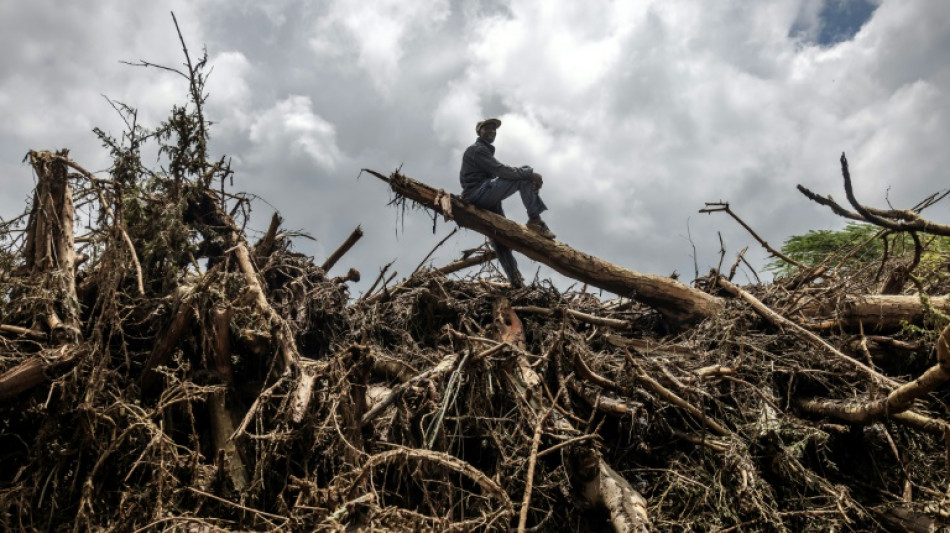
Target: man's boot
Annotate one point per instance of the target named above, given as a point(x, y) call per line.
point(538, 226)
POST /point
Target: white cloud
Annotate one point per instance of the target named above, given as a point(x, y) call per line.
point(291, 128)
point(665, 105)
point(229, 93)
point(456, 110)
point(635, 112)
point(379, 32)
point(227, 85)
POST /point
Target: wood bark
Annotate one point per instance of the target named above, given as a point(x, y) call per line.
point(801, 332)
point(445, 366)
point(35, 370)
point(602, 485)
point(265, 246)
point(221, 318)
point(345, 247)
point(167, 341)
point(206, 209)
point(22, 377)
point(19, 331)
point(882, 312)
point(870, 312)
point(50, 247)
point(50, 260)
point(673, 398)
point(461, 264)
point(680, 304)
point(222, 427)
point(583, 317)
point(898, 401)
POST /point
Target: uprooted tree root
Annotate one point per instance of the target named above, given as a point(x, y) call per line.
point(161, 372)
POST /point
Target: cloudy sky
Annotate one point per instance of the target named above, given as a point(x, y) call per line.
point(636, 112)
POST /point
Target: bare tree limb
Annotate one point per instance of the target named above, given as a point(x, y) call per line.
point(345, 247)
point(801, 332)
point(892, 219)
point(898, 401)
point(712, 207)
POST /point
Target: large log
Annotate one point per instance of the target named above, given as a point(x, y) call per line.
point(677, 302)
point(887, 311)
point(872, 312)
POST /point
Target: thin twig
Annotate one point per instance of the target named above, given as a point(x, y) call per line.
point(532, 461)
point(432, 251)
point(238, 505)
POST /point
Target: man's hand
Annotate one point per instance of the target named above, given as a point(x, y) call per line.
point(536, 181)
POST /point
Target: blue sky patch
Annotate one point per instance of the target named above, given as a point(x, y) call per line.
point(837, 21)
point(841, 20)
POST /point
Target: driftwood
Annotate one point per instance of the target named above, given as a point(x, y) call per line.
point(808, 336)
point(885, 311)
point(677, 302)
point(211, 385)
point(473, 260)
point(37, 370)
point(17, 330)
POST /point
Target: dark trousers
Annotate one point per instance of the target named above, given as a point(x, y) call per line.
point(489, 196)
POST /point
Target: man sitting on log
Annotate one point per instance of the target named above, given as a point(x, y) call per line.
point(486, 182)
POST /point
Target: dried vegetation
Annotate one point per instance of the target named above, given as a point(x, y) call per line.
point(159, 372)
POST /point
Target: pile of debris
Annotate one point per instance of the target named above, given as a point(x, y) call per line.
point(160, 372)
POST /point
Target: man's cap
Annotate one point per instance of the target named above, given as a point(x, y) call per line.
point(495, 121)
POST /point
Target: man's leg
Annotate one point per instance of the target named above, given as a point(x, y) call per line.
point(498, 189)
point(507, 260)
point(535, 206)
point(505, 257)
point(531, 199)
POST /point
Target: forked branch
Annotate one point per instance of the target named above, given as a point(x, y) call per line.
point(892, 219)
point(712, 207)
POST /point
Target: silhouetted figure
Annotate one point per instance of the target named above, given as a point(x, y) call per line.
point(486, 182)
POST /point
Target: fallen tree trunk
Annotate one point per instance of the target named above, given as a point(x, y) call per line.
point(880, 311)
point(678, 303)
point(871, 312)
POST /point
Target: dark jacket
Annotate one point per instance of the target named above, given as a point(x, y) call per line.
point(479, 165)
